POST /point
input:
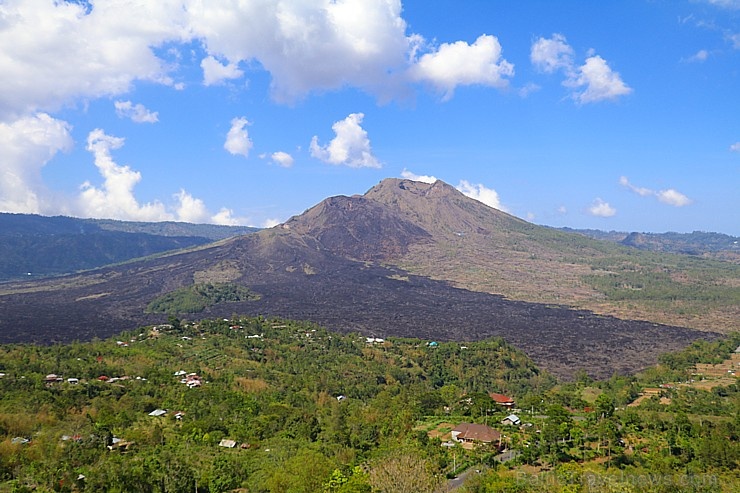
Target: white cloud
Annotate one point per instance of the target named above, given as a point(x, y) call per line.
point(591, 82)
point(600, 208)
point(282, 159)
point(735, 147)
point(226, 217)
point(459, 63)
point(115, 199)
point(214, 72)
point(530, 216)
point(422, 178)
point(309, 45)
point(136, 112)
point(480, 193)
point(350, 147)
point(673, 197)
point(55, 53)
point(644, 192)
point(237, 140)
point(699, 56)
point(270, 223)
point(562, 210)
point(26, 145)
point(528, 89)
point(190, 209)
point(552, 54)
point(598, 80)
point(669, 196)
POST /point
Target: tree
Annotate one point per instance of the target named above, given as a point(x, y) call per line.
point(403, 472)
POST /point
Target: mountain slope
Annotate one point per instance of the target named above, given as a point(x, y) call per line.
point(42, 246)
point(340, 264)
point(483, 249)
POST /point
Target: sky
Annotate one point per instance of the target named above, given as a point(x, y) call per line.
point(614, 115)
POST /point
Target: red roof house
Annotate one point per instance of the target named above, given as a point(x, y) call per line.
point(501, 399)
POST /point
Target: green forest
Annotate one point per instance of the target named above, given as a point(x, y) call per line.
point(268, 405)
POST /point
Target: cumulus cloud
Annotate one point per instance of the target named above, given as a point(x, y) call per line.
point(310, 45)
point(62, 52)
point(669, 196)
point(413, 176)
point(237, 139)
point(350, 147)
point(226, 217)
point(115, 198)
point(282, 159)
point(591, 82)
point(270, 223)
point(597, 81)
point(136, 112)
point(550, 55)
point(600, 208)
point(214, 72)
point(672, 197)
point(459, 63)
point(735, 147)
point(26, 145)
point(481, 193)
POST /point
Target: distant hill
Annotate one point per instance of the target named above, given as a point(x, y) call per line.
point(716, 245)
point(406, 259)
point(39, 246)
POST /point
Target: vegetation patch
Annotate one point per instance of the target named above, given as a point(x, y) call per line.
point(198, 297)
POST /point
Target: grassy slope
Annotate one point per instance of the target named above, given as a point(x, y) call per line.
point(481, 249)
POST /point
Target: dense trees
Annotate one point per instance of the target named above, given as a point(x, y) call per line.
point(309, 410)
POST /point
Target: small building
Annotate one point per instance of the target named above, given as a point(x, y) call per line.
point(158, 412)
point(227, 443)
point(73, 381)
point(502, 400)
point(512, 420)
point(475, 433)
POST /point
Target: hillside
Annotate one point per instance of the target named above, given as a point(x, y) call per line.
point(274, 405)
point(39, 246)
point(334, 265)
point(483, 249)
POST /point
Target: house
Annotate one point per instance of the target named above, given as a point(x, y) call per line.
point(52, 378)
point(511, 419)
point(502, 400)
point(475, 433)
point(158, 412)
point(73, 381)
point(227, 443)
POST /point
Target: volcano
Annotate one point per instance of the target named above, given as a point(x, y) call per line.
point(351, 264)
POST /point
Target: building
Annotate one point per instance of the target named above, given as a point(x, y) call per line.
point(474, 433)
point(502, 400)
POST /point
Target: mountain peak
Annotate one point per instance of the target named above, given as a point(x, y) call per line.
point(391, 186)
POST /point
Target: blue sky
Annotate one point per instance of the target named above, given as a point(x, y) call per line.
point(615, 115)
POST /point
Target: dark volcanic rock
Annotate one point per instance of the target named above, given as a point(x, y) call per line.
point(325, 266)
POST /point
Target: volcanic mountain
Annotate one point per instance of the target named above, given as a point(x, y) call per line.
point(378, 264)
